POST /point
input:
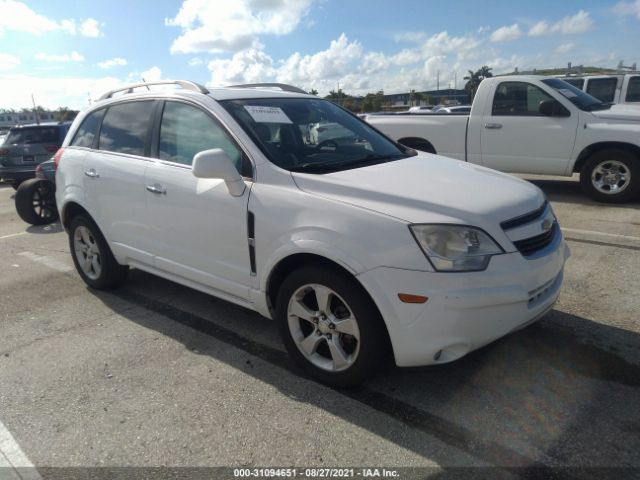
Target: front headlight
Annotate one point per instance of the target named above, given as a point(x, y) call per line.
point(455, 248)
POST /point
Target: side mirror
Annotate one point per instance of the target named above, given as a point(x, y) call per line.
point(216, 163)
point(552, 108)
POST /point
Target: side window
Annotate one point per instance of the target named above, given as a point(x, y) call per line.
point(604, 89)
point(576, 82)
point(125, 126)
point(518, 99)
point(186, 130)
point(88, 129)
point(633, 90)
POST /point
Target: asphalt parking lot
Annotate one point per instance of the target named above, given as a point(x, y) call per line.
point(155, 374)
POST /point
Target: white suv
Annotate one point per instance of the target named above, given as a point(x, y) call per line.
point(356, 248)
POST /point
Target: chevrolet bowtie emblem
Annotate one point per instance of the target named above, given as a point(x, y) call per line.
point(546, 224)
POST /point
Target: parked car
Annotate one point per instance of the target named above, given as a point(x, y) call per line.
point(26, 147)
point(356, 250)
point(531, 124)
point(421, 109)
point(453, 109)
point(35, 198)
point(620, 89)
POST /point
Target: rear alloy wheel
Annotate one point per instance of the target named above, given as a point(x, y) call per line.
point(330, 326)
point(611, 176)
point(36, 202)
point(92, 256)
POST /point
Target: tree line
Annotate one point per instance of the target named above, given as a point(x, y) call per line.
point(373, 102)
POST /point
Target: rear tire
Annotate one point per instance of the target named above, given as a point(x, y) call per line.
point(36, 202)
point(340, 341)
point(92, 256)
point(611, 176)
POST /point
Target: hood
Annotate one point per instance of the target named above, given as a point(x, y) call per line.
point(429, 188)
point(629, 113)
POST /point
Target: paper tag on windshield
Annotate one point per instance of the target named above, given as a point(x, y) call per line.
point(267, 114)
point(567, 93)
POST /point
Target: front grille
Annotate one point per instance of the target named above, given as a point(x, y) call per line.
point(529, 246)
point(524, 219)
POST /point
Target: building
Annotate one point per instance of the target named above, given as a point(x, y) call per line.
point(12, 119)
point(449, 96)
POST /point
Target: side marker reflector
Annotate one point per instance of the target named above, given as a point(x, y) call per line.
point(408, 298)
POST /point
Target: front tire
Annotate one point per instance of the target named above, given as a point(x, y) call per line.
point(92, 256)
point(330, 326)
point(35, 202)
point(611, 176)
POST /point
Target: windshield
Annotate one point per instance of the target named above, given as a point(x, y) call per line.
point(311, 135)
point(580, 99)
point(32, 135)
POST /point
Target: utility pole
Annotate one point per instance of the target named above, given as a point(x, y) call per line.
point(438, 80)
point(35, 110)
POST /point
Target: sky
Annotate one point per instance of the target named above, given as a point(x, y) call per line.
point(67, 53)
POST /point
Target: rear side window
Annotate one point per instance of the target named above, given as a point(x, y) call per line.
point(125, 126)
point(576, 82)
point(518, 99)
point(31, 135)
point(604, 89)
point(186, 130)
point(88, 129)
point(633, 90)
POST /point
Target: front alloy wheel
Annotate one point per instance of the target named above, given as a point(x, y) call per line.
point(323, 328)
point(330, 326)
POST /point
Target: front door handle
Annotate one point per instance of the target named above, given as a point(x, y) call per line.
point(492, 126)
point(157, 189)
point(91, 173)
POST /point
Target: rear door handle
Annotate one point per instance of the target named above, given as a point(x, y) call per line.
point(91, 173)
point(157, 189)
point(492, 126)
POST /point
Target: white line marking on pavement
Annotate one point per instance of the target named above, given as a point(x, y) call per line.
point(48, 261)
point(603, 234)
point(11, 453)
point(13, 235)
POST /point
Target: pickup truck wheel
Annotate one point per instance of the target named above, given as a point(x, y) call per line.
point(611, 176)
point(92, 256)
point(35, 202)
point(330, 327)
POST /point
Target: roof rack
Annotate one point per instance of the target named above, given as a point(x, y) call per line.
point(282, 86)
point(186, 84)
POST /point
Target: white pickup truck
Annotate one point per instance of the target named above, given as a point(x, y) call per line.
point(533, 124)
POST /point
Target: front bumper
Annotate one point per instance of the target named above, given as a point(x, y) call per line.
point(465, 310)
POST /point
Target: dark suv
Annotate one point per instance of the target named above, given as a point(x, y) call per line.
point(26, 147)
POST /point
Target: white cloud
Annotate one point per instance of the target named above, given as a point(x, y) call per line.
point(154, 74)
point(195, 62)
point(565, 47)
point(506, 34)
point(114, 62)
point(54, 92)
point(578, 23)
point(8, 61)
point(17, 16)
point(628, 8)
point(234, 25)
point(90, 28)
point(67, 57)
point(248, 66)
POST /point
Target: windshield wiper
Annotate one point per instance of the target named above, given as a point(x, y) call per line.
point(371, 159)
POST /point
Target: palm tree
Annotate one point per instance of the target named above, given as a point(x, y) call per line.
point(474, 79)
